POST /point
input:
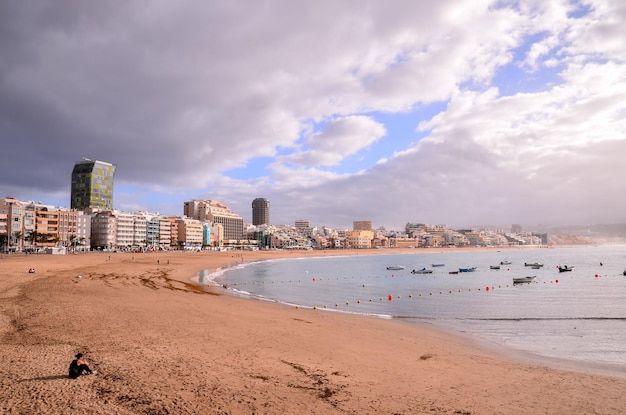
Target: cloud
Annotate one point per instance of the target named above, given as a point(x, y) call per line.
point(179, 93)
point(341, 137)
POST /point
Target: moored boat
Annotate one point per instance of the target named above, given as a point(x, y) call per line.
point(395, 267)
point(524, 280)
point(494, 267)
point(438, 265)
point(456, 272)
point(564, 268)
point(533, 264)
point(505, 262)
point(422, 271)
point(471, 269)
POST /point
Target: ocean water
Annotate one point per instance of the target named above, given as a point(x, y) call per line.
point(578, 316)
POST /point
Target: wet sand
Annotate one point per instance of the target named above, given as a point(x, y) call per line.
point(164, 345)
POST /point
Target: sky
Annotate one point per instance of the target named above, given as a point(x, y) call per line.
point(449, 112)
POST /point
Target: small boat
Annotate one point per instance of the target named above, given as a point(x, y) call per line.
point(524, 280)
point(456, 272)
point(395, 267)
point(472, 269)
point(625, 272)
point(565, 268)
point(533, 264)
point(535, 267)
point(494, 266)
point(422, 271)
point(437, 265)
point(505, 262)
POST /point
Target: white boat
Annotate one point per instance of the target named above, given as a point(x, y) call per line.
point(438, 265)
point(422, 271)
point(395, 267)
point(533, 264)
point(505, 262)
point(524, 280)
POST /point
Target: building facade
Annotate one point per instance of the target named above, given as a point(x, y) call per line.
point(260, 211)
point(190, 232)
point(362, 225)
point(215, 212)
point(92, 185)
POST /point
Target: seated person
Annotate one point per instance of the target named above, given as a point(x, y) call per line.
point(78, 366)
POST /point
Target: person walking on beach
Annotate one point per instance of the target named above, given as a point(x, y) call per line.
point(78, 366)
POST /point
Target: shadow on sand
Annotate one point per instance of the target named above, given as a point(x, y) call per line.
point(54, 377)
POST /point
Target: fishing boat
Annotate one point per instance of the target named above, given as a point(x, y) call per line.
point(395, 267)
point(524, 280)
point(494, 266)
point(533, 264)
point(422, 271)
point(565, 268)
point(505, 262)
point(437, 265)
point(472, 269)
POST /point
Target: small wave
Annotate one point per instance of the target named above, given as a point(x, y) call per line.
point(545, 319)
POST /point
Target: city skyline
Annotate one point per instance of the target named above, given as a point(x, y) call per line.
point(487, 113)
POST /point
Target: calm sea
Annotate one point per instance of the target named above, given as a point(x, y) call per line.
point(579, 316)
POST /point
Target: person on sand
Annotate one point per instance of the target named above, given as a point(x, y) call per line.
point(78, 366)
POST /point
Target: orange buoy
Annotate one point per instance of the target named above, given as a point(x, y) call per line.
point(390, 297)
point(487, 288)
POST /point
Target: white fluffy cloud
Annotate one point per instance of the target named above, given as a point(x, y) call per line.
point(341, 137)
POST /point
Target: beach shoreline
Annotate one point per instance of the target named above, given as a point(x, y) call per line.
point(163, 345)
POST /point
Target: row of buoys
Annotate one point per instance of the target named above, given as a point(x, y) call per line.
point(390, 297)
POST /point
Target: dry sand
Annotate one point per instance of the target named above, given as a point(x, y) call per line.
point(162, 345)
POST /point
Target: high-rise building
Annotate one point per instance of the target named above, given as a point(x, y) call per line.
point(92, 185)
point(260, 211)
point(302, 224)
point(215, 212)
point(362, 225)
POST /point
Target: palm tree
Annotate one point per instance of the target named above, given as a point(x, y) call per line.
point(19, 237)
point(3, 239)
point(32, 237)
point(71, 238)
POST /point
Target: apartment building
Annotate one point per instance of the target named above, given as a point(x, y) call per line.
point(190, 232)
point(359, 239)
point(74, 229)
point(104, 230)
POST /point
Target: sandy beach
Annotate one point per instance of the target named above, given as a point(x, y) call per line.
point(163, 345)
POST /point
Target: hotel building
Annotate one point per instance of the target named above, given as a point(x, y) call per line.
point(92, 185)
point(260, 211)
